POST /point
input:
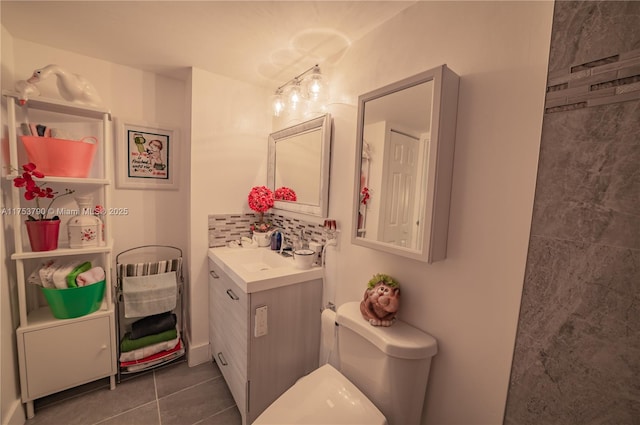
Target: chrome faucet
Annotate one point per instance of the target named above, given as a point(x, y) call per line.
point(283, 244)
point(301, 243)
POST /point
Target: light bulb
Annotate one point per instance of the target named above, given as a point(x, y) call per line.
point(277, 103)
point(315, 86)
point(295, 96)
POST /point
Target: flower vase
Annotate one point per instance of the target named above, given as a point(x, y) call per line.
point(43, 234)
point(84, 229)
point(262, 238)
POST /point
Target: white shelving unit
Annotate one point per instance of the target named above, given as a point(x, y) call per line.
point(57, 354)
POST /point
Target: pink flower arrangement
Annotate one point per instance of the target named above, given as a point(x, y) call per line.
point(260, 227)
point(260, 199)
point(285, 194)
point(36, 191)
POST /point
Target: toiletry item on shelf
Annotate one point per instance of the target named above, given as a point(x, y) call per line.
point(84, 229)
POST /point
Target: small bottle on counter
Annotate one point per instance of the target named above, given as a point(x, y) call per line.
point(276, 240)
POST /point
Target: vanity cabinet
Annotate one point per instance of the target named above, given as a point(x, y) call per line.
point(57, 354)
point(263, 341)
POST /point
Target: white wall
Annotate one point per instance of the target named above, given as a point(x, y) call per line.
point(470, 301)
point(229, 127)
point(155, 216)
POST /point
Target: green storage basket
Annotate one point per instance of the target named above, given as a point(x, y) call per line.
point(74, 302)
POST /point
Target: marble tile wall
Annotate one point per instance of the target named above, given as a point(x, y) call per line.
point(577, 354)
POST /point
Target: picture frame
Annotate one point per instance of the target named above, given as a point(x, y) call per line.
point(146, 156)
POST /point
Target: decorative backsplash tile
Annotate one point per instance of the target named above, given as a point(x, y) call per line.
point(224, 228)
point(602, 81)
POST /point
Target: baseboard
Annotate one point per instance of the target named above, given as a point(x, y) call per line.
point(198, 354)
point(15, 414)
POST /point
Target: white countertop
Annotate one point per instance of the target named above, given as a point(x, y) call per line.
point(259, 269)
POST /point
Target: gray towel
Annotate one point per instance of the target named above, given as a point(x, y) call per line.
point(148, 295)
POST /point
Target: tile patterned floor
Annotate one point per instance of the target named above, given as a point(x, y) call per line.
point(174, 395)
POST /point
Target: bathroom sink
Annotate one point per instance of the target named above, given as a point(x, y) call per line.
point(258, 269)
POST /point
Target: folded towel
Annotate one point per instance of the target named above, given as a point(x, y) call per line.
point(128, 344)
point(149, 295)
point(153, 357)
point(149, 350)
point(94, 275)
point(71, 277)
point(60, 274)
point(153, 324)
point(46, 273)
point(35, 277)
point(147, 365)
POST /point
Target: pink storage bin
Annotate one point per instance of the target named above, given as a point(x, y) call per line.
point(60, 157)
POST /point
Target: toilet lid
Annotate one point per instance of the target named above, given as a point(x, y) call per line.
point(324, 396)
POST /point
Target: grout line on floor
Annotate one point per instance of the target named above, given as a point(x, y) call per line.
point(215, 414)
point(124, 412)
point(189, 387)
point(155, 389)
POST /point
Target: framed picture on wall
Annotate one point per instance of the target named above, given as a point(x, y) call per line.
point(146, 156)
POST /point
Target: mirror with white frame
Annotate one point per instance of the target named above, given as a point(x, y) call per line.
point(404, 164)
point(298, 167)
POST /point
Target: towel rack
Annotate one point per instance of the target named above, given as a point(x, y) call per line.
point(141, 264)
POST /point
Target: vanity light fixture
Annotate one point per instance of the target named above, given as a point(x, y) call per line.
point(310, 85)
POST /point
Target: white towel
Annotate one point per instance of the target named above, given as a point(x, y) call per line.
point(148, 295)
point(93, 275)
point(35, 276)
point(46, 273)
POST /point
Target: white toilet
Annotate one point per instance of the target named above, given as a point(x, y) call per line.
point(382, 378)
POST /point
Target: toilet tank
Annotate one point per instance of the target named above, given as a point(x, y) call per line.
point(390, 365)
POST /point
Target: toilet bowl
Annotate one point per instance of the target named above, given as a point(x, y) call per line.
point(379, 377)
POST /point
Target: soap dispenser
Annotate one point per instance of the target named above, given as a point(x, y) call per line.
point(276, 240)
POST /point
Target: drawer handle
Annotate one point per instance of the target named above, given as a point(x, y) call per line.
point(232, 295)
point(223, 361)
point(214, 274)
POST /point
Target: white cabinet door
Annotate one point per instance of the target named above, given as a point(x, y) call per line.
point(61, 357)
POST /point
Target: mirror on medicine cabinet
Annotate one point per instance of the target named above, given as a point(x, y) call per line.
point(404, 164)
point(298, 166)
